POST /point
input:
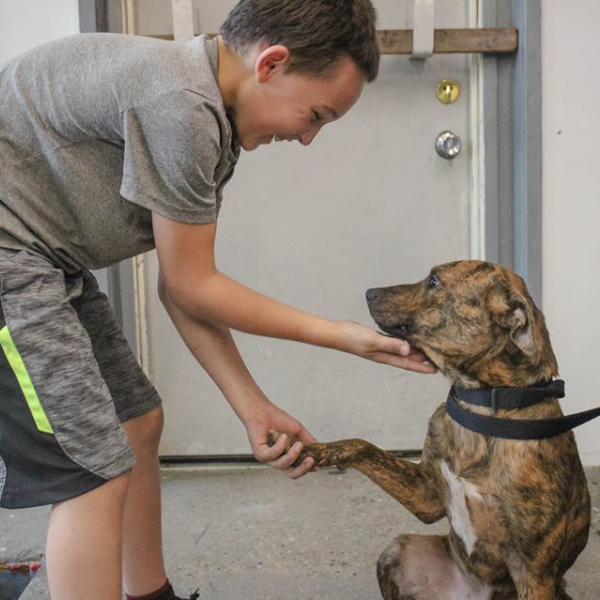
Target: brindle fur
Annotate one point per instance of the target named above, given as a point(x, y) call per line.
point(528, 502)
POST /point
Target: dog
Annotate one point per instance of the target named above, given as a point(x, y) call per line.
point(519, 510)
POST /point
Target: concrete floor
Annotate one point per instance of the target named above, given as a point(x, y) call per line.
point(247, 533)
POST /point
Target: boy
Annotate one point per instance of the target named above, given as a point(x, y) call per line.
point(109, 146)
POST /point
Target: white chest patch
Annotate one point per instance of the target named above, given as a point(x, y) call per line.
point(457, 506)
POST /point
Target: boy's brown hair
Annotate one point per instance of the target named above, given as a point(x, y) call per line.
point(316, 32)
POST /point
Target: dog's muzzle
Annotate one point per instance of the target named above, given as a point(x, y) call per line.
point(399, 328)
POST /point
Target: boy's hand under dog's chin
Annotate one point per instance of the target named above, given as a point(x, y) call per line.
point(368, 343)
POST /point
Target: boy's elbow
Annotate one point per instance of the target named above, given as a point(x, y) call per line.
point(184, 298)
point(172, 297)
point(162, 290)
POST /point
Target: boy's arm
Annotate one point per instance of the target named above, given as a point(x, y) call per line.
point(198, 290)
point(214, 348)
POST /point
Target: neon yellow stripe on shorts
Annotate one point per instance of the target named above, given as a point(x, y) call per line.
point(18, 366)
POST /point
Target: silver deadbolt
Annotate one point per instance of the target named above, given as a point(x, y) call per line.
point(448, 145)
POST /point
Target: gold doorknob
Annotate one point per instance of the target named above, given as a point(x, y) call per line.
point(447, 91)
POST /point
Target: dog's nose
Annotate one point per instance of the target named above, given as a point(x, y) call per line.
point(373, 294)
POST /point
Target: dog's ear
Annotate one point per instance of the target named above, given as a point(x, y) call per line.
point(520, 322)
point(514, 312)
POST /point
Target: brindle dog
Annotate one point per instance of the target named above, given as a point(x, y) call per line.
point(519, 511)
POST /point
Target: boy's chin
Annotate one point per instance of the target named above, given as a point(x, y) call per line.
point(250, 144)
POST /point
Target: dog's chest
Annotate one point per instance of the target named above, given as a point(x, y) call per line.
point(462, 499)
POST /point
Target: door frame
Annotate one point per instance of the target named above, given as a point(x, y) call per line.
point(511, 91)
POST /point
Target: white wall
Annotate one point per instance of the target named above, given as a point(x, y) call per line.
point(28, 23)
point(571, 226)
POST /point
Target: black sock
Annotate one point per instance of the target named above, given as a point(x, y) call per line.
point(164, 593)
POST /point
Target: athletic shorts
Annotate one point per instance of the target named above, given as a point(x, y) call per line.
point(67, 381)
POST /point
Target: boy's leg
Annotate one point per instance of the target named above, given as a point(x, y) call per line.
point(92, 528)
point(84, 543)
point(143, 566)
point(138, 408)
point(72, 396)
point(61, 439)
point(68, 382)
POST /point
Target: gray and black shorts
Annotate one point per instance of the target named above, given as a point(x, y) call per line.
point(67, 381)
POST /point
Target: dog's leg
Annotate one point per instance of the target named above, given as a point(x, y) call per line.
point(406, 482)
point(420, 567)
point(403, 480)
point(537, 586)
point(561, 591)
point(534, 588)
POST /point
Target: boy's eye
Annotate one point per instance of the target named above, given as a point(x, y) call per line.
point(316, 116)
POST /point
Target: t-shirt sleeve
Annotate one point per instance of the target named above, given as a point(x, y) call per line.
point(172, 148)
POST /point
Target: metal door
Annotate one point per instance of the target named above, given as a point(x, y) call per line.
point(369, 203)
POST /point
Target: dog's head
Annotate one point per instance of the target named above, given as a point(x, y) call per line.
point(474, 320)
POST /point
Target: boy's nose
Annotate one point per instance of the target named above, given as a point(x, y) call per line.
point(307, 138)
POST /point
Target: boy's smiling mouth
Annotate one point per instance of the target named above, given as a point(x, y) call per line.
point(285, 138)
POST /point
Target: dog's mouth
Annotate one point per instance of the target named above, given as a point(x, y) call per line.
point(404, 331)
point(401, 331)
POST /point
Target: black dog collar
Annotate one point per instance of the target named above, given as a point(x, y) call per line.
point(516, 429)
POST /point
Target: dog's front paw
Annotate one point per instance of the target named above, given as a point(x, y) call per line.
point(273, 436)
point(341, 454)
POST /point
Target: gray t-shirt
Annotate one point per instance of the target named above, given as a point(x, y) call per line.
point(97, 131)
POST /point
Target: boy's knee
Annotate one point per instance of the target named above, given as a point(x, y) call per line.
point(118, 486)
point(110, 495)
point(144, 433)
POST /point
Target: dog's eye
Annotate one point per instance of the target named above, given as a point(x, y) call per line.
point(433, 281)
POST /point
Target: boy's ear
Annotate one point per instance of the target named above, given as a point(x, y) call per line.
point(271, 61)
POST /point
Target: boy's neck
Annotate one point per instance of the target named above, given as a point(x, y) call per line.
point(234, 72)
